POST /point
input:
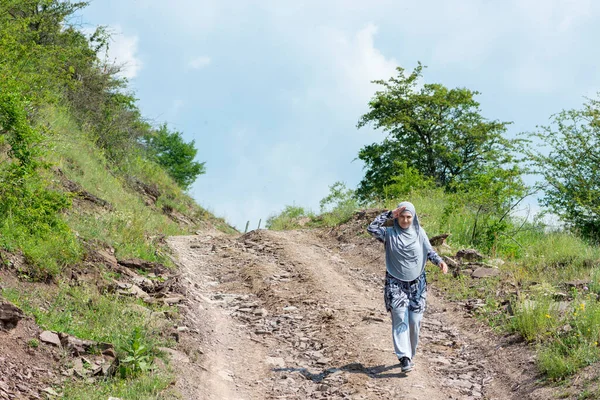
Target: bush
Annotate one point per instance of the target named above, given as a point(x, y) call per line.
point(169, 150)
point(288, 219)
point(339, 205)
point(568, 161)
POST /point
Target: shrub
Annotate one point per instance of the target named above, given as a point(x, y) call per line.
point(289, 218)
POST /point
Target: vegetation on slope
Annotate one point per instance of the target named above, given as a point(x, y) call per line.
point(82, 171)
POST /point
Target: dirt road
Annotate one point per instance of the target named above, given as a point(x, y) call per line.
point(300, 315)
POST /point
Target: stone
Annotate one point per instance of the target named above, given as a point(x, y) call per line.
point(50, 391)
point(175, 355)
point(578, 284)
point(439, 239)
point(450, 261)
point(78, 346)
point(469, 255)
point(10, 315)
point(107, 257)
point(173, 300)
point(276, 362)
point(50, 338)
point(497, 262)
point(261, 312)
point(485, 273)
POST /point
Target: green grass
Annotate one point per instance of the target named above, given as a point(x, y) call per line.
point(85, 313)
point(146, 387)
point(132, 224)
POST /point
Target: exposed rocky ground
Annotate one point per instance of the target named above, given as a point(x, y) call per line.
point(35, 364)
point(281, 315)
point(300, 315)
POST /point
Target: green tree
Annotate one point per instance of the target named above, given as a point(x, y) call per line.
point(169, 150)
point(436, 131)
point(569, 161)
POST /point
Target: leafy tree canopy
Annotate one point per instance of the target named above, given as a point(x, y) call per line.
point(435, 131)
point(169, 150)
point(569, 162)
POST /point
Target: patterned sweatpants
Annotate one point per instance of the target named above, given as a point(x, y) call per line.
point(406, 302)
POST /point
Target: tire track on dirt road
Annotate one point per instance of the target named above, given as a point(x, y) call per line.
point(288, 316)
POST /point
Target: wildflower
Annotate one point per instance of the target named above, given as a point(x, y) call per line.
point(547, 315)
point(595, 343)
point(582, 306)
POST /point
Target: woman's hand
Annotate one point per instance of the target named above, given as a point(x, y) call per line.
point(396, 213)
point(444, 267)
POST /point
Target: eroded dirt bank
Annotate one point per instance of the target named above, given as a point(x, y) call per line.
point(300, 315)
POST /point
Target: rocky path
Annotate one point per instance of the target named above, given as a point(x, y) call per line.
point(289, 315)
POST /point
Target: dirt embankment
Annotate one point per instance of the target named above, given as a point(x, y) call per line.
point(300, 315)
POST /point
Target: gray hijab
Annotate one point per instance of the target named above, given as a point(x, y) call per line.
point(404, 253)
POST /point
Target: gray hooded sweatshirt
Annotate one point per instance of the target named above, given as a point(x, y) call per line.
point(406, 250)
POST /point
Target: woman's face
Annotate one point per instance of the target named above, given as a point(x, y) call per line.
point(405, 220)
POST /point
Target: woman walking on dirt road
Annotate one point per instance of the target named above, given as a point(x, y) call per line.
point(407, 250)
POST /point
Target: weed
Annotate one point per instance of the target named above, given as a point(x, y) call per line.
point(139, 355)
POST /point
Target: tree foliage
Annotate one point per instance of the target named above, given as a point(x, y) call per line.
point(569, 162)
point(46, 60)
point(169, 150)
point(436, 131)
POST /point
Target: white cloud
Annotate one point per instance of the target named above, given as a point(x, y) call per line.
point(199, 62)
point(123, 51)
point(344, 65)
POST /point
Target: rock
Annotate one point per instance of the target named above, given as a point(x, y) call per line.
point(173, 300)
point(261, 312)
point(497, 262)
point(146, 284)
point(460, 383)
point(290, 308)
point(50, 338)
point(323, 361)
point(439, 239)
point(175, 355)
point(107, 257)
point(577, 284)
point(79, 347)
point(485, 273)
point(469, 255)
point(276, 362)
point(10, 315)
point(374, 319)
point(148, 266)
point(138, 292)
point(440, 360)
point(450, 261)
point(50, 391)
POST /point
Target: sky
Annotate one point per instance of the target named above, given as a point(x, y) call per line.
point(271, 91)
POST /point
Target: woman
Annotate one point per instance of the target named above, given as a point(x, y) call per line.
point(407, 249)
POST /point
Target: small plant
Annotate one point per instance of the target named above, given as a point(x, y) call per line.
point(339, 205)
point(289, 218)
point(139, 355)
point(33, 343)
point(536, 319)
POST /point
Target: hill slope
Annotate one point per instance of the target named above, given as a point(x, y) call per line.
point(299, 314)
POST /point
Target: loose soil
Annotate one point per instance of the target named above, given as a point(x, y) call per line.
point(300, 315)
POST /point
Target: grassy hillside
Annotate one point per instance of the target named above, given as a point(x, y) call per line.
point(548, 284)
point(86, 200)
